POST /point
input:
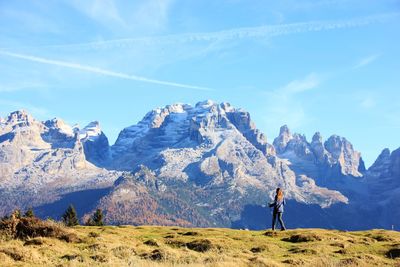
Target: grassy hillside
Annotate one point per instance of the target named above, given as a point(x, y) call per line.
point(173, 246)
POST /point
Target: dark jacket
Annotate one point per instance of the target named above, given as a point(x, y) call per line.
point(278, 205)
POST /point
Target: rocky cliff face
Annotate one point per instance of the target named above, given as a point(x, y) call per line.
point(218, 151)
point(335, 156)
point(95, 144)
point(45, 157)
point(383, 180)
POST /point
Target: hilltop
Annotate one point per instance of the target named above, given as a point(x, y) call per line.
point(176, 246)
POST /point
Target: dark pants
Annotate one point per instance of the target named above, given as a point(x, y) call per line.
point(279, 215)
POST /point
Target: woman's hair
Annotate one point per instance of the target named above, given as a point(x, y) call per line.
point(279, 193)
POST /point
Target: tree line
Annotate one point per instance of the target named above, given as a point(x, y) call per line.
point(69, 217)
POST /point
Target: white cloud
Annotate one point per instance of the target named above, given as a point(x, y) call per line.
point(366, 60)
point(265, 31)
point(102, 11)
point(368, 102)
point(101, 71)
point(152, 14)
point(297, 86)
point(20, 86)
point(284, 105)
point(126, 16)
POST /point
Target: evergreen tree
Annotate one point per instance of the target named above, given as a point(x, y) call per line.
point(69, 217)
point(98, 218)
point(89, 222)
point(29, 213)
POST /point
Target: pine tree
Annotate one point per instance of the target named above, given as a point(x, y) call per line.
point(29, 213)
point(98, 218)
point(89, 222)
point(69, 217)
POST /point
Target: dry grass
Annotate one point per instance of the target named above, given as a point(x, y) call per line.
point(174, 246)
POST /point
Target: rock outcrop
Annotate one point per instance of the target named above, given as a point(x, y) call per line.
point(335, 157)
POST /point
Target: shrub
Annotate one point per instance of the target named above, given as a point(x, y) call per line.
point(29, 213)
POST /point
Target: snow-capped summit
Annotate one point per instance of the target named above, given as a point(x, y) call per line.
point(59, 125)
point(95, 144)
point(91, 132)
point(205, 104)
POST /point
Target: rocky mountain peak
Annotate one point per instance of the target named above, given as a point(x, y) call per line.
point(284, 130)
point(386, 165)
point(283, 139)
point(91, 132)
point(341, 152)
point(317, 138)
point(59, 125)
point(205, 104)
point(18, 117)
point(227, 107)
point(95, 144)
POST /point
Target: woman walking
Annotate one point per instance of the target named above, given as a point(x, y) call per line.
point(278, 209)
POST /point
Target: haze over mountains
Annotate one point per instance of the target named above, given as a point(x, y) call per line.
point(202, 165)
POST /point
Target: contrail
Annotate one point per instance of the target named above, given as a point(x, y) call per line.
point(100, 71)
point(237, 33)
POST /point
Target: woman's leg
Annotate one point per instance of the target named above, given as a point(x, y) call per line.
point(281, 221)
point(273, 220)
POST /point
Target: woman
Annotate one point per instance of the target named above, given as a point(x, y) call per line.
point(278, 209)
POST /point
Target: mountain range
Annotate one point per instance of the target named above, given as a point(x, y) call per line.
point(205, 165)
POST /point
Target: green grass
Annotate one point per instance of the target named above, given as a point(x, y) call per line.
point(175, 246)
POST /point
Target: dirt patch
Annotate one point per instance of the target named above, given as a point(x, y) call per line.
point(350, 262)
point(151, 242)
point(70, 238)
point(341, 251)
point(297, 238)
point(258, 249)
point(200, 245)
point(382, 238)
point(155, 255)
point(270, 233)
point(307, 251)
point(294, 261)
point(393, 253)
point(175, 243)
point(337, 244)
point(34, 242)
point(99, 258)
point(94, 234)
point(96, 247)
point(70, 257)
point(190, 233)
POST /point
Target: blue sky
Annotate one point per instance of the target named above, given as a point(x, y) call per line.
point(331, 65)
